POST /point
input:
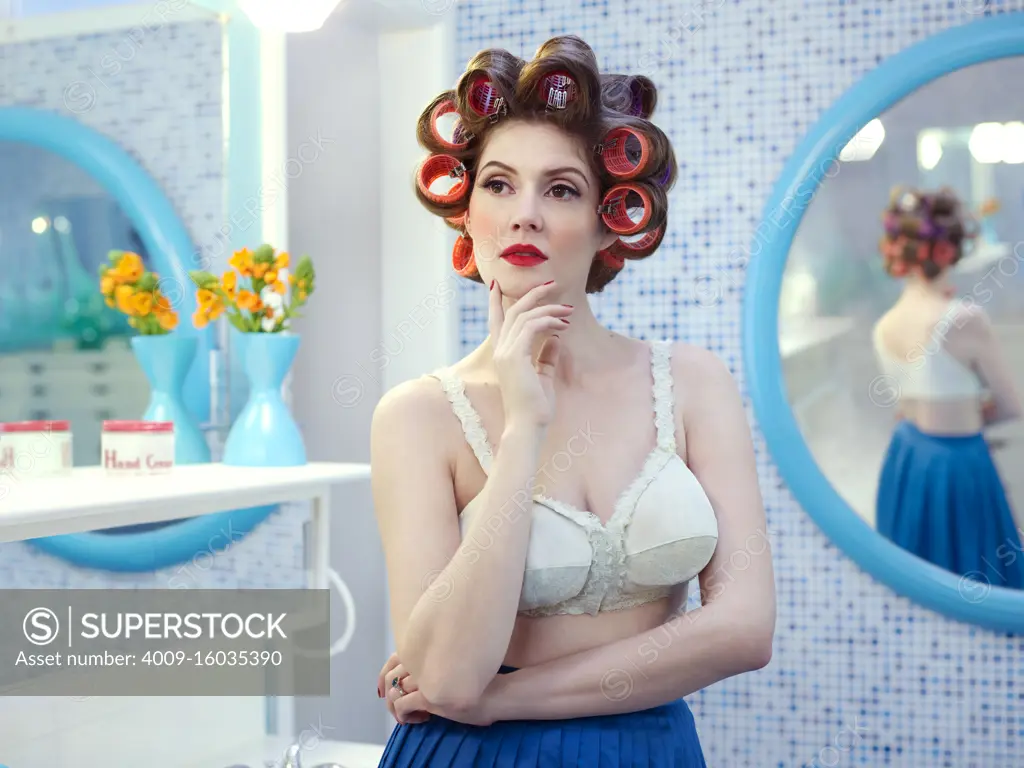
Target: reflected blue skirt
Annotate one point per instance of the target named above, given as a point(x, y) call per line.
point(941, 498)
point(660, 737)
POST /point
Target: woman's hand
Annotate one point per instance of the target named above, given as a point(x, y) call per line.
point(524, 341)
point(413, 707)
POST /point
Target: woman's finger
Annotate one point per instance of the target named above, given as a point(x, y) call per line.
point(529, 300)
point(382, 678)
point(411, 708)
point(495, 311)
point(514, 326)
point(533, 332)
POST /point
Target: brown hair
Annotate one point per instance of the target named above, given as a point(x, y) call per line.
point(924, 229)
point(632, 158)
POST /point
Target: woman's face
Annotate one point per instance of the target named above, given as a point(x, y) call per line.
point(533, 210)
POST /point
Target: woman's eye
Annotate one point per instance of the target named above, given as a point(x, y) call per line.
point(563, 191)
point(494, 183)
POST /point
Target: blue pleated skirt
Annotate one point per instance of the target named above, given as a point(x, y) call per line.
point(941, 498)
point(660, 737)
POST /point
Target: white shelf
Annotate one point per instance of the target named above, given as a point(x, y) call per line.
point(89, 499)
point(315, 751)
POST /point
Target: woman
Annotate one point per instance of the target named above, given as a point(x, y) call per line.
point(545, 502)
point(940, 495)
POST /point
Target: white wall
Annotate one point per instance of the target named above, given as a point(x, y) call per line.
point(385, 307)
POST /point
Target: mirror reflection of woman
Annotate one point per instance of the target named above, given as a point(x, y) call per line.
point(940, 495)
point(545, 501)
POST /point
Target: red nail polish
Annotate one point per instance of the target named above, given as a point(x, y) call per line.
point(549, 282)
point(492, 286)
point(564, 321)
point(568, 305)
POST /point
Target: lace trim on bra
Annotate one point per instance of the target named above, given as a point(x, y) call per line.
point(472, 426)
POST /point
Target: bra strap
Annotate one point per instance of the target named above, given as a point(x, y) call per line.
point(661, 372)
point(472, 426)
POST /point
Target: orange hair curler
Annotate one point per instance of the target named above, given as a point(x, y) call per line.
point(557, 89)
point(437, 167)
point(460, 138)
point(611, 259)
point(622, 160)
point(614, 209)
point(463, 259)
point(457, 221)
point(485, 100)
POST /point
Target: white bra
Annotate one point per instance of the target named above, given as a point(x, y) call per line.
point(930, 373)
point(662, 532)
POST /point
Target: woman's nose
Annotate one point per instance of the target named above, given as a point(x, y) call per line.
point(527, 215)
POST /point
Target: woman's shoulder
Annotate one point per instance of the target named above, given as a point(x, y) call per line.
point(702, 378)
point(419, 404)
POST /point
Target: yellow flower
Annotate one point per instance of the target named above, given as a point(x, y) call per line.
point(168, 320)
point(280, 287)
point(142, 303)
point(207, 298)
point(281, 261)
point(162, 306)
point(271, 276)
point(249, 301)
point(107, 284)
point(129, 268)
point(242, 261)
point(229, 282)
point(259, 270)
point(122, 297)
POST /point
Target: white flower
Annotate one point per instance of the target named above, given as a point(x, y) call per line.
point(274, 301)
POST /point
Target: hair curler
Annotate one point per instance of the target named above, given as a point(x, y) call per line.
point(557, 89)
point(621, 160)
point(463, 259)
point(640, 246)
point(485, 100)
point(460, 137)
point(614, 209)
point(437, 167)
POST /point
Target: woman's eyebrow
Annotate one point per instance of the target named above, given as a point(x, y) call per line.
point(552, 172)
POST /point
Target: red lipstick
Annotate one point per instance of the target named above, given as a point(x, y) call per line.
point(523, 255)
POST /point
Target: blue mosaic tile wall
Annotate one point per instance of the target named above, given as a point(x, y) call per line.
point(161, 99)
point(859, 676)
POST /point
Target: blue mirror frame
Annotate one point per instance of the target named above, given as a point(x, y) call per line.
point(171, 250)
point(996, 608)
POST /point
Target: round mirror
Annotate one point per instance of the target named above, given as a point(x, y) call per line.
point(885, 323)
point(71, 196)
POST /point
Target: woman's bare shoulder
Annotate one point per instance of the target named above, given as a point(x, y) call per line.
point(417, 405)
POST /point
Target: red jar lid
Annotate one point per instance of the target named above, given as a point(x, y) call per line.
point(35, 426)
point(138, 426)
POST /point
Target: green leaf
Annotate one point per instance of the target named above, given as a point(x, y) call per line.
point(238, 322)
point(264, 254)
point(203, 280)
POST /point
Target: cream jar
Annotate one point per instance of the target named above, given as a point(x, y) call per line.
point(30, 449)
point(137, 447)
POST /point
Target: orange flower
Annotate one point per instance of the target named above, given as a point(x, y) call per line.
point(107, 284)
point(271, 276)
point(129, 268)
point(281, 261)
point(249, 301)
point(162, 305)
point(280, 287)
point(242, 261)
point(229, 281)
point(207, 298)
point(168, 320)
point(142, 303)
point(205, 314)
point(122, 297)
point(259, 270)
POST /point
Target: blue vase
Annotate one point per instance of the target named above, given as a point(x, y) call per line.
point(265, 434)
point(166, 360)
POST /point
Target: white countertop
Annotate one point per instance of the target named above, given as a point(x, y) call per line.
point(88, 499)
point(315, 752)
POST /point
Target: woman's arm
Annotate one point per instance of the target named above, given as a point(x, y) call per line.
point(453, 599)
point(972, 340)
point(730, 634)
